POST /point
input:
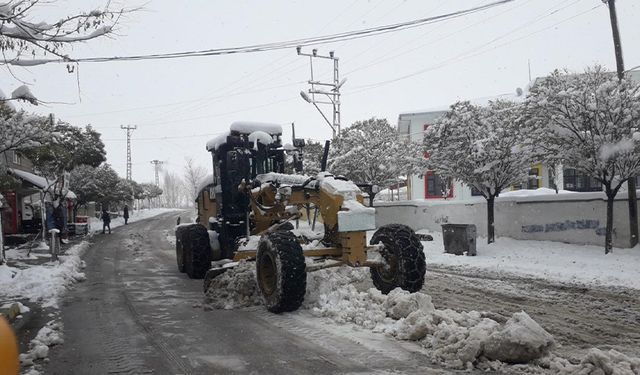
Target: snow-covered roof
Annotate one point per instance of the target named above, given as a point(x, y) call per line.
point(206, 181)
point(33, 179)
point(260, 131)
point(214, 143)
point(71, 195)
point(248, 127)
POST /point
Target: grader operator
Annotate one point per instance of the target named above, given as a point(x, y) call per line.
point(246, 209)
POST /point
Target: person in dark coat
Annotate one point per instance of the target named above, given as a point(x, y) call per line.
point(125, 214)
point(106, 220)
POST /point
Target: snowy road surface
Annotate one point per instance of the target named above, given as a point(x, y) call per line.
point(136, 314)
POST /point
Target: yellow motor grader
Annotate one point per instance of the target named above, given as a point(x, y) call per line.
point(246, 211)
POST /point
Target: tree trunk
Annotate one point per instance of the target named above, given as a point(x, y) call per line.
point(633, 211)
point(490, 220)
point(372, 195)
point(608, 239)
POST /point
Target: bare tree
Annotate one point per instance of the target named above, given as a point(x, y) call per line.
point(193, 175)
point(173, 190)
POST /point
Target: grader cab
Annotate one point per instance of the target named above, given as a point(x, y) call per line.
point(247, 209)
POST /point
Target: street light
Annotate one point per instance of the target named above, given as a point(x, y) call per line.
point(308, 100)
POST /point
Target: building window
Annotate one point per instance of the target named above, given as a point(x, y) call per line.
point(576, 181)
point(533, 182)
point(475, 192)
point(437, 187)
point(17, 158)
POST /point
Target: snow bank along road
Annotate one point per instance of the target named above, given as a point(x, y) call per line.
point(136, 314)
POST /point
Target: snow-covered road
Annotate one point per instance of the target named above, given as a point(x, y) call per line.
point(136, 313)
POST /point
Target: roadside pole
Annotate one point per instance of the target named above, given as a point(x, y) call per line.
point(631, 182)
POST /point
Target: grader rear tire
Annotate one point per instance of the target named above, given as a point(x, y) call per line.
point(179, 248)
point(405, 259)
point(281, 271)
point(197, 252)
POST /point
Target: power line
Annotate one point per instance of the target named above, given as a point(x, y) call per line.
point(349, 35)
point(162, 138)
point(465, 55)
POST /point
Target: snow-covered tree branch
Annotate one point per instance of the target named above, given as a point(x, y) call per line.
point(20, 130)
point(21, 34)
point(481, 146)
point(591, 123)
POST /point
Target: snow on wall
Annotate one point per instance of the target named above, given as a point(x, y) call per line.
point(578, 218)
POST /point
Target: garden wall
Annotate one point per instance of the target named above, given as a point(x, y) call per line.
point(578, 218)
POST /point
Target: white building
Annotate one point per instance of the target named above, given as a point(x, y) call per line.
point(431, 186)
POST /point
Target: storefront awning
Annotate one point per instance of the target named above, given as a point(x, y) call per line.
point(35, 180)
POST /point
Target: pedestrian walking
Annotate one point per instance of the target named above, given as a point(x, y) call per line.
point(125, 215)
point(106, 220)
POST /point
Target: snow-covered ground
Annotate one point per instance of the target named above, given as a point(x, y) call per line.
point(553, 261)
point(96, 224)
point(458, 339)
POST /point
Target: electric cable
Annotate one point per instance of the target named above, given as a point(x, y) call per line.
point(349, 35)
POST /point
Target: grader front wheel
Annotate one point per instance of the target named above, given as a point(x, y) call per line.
point(404, 259)
point(281, 273)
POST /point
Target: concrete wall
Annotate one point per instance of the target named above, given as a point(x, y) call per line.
point(578, 218)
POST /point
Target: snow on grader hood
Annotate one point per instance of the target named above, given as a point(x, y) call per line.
point(246, 210)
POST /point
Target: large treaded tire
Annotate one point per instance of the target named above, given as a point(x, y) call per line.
point(197, 252)
point(180, 238)
point(405, 259)
point(281, 271)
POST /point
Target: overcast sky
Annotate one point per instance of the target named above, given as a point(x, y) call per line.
point(179, 104)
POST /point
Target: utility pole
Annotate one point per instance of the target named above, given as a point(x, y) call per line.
point(156, 165)
point(316, 89)
point(128, 129)
point(631, 183)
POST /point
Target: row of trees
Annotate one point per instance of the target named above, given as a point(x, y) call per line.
point(55, 147)
point(587, 121)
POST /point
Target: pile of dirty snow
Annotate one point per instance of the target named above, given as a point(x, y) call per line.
point(459, 340)
point(236, 288)
point(49, 335)
point(597, 361)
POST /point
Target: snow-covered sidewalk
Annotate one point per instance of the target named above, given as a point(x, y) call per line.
point(45, 282)
point(552, 261)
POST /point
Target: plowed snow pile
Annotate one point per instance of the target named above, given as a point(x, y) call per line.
point(234, 289)
point(457, 339)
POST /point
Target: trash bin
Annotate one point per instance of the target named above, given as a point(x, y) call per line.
point(459, 239)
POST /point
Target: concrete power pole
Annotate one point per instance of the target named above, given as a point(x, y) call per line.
point(316, 89)
point(156, 165)
point(631, 183)
point(128, 129)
